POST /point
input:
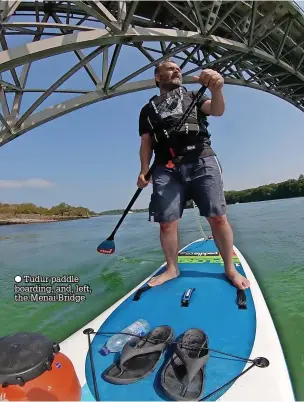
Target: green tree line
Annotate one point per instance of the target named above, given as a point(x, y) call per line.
point(61, 209)
point(121, 211)
point(286, 189)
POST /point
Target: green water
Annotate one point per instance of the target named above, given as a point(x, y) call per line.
point(269, 234)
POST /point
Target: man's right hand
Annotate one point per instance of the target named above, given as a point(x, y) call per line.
point(142, 182)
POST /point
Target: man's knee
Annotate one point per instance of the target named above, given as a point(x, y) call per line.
point(166, 227)
point(217, 220)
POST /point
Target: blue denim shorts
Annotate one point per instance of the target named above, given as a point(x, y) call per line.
point(200, 181)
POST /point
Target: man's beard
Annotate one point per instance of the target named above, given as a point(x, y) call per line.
point(173, 84)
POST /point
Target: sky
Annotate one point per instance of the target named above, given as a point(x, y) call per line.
point(90, 157)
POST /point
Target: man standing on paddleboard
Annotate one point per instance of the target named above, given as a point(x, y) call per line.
point(186, 165)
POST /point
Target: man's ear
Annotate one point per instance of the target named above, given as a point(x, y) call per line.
point(157, 79)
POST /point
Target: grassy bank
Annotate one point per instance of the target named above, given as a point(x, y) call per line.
point(35, 218)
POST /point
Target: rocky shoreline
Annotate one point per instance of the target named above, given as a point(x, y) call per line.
point(40, 219)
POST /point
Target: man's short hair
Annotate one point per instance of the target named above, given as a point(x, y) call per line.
point(158, 65)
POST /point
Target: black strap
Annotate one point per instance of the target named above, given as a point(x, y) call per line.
point(189, 128)
point(241, 299)
point(140, 292)
point(88, 332)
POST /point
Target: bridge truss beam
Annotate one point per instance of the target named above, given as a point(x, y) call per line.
point(258, 44)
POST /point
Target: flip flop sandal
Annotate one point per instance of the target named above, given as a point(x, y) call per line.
point(138, 361)
point(183, 376)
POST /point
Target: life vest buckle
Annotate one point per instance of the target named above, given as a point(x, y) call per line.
point(170, 164)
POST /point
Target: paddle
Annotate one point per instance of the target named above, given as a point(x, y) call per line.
point(108, 245)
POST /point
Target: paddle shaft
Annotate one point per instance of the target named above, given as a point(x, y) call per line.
point(134, 198)
point(199, 94)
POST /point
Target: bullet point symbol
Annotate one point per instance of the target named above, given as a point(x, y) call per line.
point(18, 279)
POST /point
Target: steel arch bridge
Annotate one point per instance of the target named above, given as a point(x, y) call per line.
point(258, 44)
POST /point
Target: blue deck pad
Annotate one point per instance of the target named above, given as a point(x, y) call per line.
point(212, 308)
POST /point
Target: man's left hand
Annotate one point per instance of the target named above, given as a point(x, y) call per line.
point(211, 79)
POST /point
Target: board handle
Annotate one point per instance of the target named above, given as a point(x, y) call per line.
point(140, 292)
point(241, 299)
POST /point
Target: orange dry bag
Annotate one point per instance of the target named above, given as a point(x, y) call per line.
point(33, 369)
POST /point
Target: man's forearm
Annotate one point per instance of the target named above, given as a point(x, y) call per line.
point(217, 106)
point(145, 157)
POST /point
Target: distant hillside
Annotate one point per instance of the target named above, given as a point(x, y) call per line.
point(61, 209)
point(30, 213)
point(286, 189)
point(121, 211)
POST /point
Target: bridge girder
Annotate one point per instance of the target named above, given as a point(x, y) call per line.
point(254, 44)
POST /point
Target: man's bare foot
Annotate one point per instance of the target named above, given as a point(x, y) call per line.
point(238, 280)
point(166, 276)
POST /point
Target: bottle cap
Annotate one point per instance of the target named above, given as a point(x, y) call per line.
point(104, 351)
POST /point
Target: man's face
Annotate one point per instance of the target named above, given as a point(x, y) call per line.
point(169, 76)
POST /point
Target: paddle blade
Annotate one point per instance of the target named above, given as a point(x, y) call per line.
point(106, 247)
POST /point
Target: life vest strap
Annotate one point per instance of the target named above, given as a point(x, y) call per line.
point(178, 155)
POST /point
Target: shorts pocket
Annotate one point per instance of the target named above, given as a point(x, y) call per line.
point(153, 207)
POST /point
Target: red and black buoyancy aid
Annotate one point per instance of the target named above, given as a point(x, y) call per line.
point(165, 114)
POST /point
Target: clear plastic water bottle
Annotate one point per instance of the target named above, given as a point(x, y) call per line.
point(117, 342)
